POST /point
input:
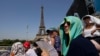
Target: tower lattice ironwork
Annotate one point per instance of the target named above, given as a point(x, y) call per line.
point(42, 26)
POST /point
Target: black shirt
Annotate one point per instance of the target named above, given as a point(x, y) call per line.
point(81, 46)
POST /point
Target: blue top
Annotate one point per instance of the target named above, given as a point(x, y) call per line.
point(57, 43)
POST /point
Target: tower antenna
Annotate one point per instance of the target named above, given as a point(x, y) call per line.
point(27, 31)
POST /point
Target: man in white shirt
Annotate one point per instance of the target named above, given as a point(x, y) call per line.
point(29, 51)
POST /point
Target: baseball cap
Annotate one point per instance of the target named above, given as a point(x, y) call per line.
point(26, 44)
point(50, 30)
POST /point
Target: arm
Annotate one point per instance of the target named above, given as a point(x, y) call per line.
point(98, 28)
point(52, 41)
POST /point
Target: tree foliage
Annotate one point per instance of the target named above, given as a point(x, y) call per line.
point(8, 42)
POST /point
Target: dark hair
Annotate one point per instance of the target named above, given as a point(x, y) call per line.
point(49, 31)
point(64, 23)
point(86, 17)
point(68, 23)
point(38, 51)
point(35, 44)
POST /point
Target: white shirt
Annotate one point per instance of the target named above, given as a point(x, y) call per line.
point(31, 52)
point(87, 32)
point(49, 40)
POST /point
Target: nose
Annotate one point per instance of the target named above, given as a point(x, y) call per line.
point(65, 25)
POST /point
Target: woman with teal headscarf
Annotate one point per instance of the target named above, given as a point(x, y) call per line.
point(72, 41)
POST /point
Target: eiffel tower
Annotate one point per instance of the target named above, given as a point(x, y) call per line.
point(42, 26)
point(42, 32)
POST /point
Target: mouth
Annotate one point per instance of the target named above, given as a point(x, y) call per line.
point(66, 30)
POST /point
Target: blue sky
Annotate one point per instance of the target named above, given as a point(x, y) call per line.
point(15, 15)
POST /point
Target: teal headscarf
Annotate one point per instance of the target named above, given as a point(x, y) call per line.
point(75, 30)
